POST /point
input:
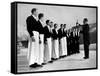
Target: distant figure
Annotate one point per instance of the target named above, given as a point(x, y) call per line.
point(65, 39)
point(86, 38)
point(68, 42)
point(55, 42)
point(77, 36)
point(61, 41)
point(71, 42)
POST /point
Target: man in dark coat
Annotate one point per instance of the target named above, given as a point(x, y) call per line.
point(41, 36)
point(61, 40)
point(77, 36)
point(71, 42)
point(48, 41)
point(74, 41)
point(32, 23)
point(68, 42)
point(55, 44)
point(86, 38)
point(65, 40)
point(33, 30)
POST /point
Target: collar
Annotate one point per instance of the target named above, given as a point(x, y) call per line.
point(42, 23)
point(35, 17)
point(48, 26)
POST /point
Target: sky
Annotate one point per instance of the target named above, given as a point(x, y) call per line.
point(57, 14)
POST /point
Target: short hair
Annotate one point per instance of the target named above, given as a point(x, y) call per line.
point(64, 25)
point(85, 19)
point(47, 21)
point(51, 22)
point(33, 10)
point(40, 15)
point(55, 24)
point(61, 25)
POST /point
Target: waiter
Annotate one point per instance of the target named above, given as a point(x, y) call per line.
point(32, 28)
point(65, 40)
point(86, 38)
point(52, 42)
point(55, 43)
point(61, 40)
point(74, 45)
point(71, 41)
point(77, 40)
point(48, 42)
point(77, 35)
point(41, 36)
point(68, 42)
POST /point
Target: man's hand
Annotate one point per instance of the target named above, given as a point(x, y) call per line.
point(33, 39)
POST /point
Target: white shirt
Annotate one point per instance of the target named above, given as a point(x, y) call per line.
point(42, 23)
point(62, 30)
point(35, 17)
point(56, 31)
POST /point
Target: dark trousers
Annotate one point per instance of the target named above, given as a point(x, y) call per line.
point(77, 44)
point(68, 48)
point(86, 50)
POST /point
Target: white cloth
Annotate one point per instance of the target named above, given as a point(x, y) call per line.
point(35, 17)
point(34, 53)
point(55, 51)
point(48, 50)
point(61, 49)
point(41, 49)
point(42, 23)
point(65, 45)
point(45, 53)
point(29, 48)
point(49, 43)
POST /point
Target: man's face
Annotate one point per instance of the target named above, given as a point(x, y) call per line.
point(84, 22)
point(42, 18)
point(64, 26)
point(61, 26)
point(51, 24)
point(55, 26)
point(36, 13)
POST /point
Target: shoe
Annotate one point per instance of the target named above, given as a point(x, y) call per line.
point(85, 57)
point(56, 58)
point(61, 56)
point(50, 62)
point(43, 63)
point(65, 55)
point(33, 65)
point(52, 58)
point(38, 65)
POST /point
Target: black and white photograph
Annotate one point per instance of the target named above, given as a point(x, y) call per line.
point(55, 37)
